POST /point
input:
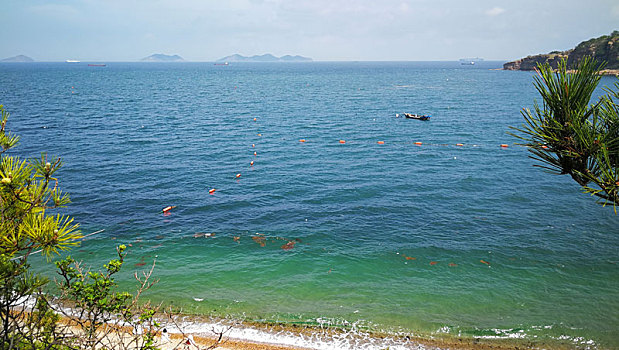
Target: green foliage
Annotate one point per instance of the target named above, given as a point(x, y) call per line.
point(603, 49)
point(16, 282)
point(93, 291)
point(28, 190)
point(99, 306)
point(7, 140)
point(568, 135)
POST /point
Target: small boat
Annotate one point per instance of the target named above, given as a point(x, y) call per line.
point(417, 116)
point(72, 61)
point(222, 64)
point(96, 65)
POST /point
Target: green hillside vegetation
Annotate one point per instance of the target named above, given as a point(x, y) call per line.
point(604, 49)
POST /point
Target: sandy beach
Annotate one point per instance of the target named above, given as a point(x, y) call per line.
point(283, 336)
point(179, 342)
point(256, 336)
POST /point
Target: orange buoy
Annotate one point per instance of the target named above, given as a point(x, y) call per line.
point(238, 175)
point(504, 145)
point(418, 143)
point(255, 153)
point(251, 163)
point(342, 141)
point(211, 191)
point(302, 140)
point(459, 144)
point(381, 142)
point(255, 119)
point(259, 134)
point(168, 208)
point(253, 145)
point(544, 147)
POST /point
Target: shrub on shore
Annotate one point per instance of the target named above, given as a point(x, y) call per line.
point(29, 191)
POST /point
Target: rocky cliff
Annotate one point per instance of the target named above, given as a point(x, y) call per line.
point(602, 49)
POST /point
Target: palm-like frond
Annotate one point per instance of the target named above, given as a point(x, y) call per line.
point(50, 233)
point(568, 135)
point(7, 140)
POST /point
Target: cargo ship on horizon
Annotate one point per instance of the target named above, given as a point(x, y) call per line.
point(470, 61)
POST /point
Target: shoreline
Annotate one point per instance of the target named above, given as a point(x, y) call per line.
point(213, 332)
point(195, 332)
point(605, 72)
point(281, 336)
point(186, 332)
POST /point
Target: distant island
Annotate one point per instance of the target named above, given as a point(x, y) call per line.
point(18, 58)
point(159, 57)
point(264, 58)
point(602, 49)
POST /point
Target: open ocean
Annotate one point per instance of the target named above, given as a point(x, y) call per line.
point(432, 240)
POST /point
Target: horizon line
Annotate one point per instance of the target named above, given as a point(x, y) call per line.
point(219, 60)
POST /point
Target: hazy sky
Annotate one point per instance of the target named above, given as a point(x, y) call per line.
point(205, 30)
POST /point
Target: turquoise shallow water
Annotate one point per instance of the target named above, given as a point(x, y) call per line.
point(138, 137)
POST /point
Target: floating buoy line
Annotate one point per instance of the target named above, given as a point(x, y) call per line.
point(211, 191)
point(166, 210)
point(289, 244)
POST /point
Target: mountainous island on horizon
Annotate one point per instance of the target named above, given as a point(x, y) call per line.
point(264, 58)
point(159, 57)
point(18, 58)
point(602, 49)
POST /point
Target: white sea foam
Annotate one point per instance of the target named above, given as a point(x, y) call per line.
point(319, 338)
point(330, 334)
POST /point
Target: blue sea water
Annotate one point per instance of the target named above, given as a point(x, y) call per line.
point(137, 137)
